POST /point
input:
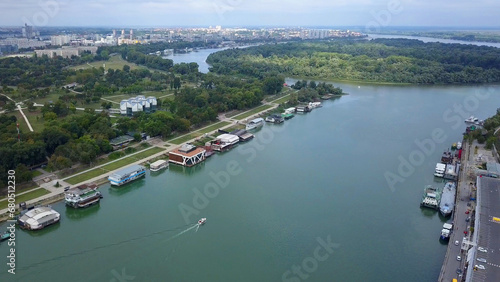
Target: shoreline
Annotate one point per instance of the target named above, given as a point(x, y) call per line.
point(102, 178)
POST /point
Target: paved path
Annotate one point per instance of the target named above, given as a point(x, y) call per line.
point(25, 118)
point(58, 191)
point(464, 190)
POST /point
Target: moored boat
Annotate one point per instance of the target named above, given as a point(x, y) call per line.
point(431, 197)
point(446, 231)
point(447, 199)
point(127, 175)
point(255, 123)
point(5, 236)
point(156, 166)
point(275, 118)
point(82, 196)
point(471, 119)
point(38, 218)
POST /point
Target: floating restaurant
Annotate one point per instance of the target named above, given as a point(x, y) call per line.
point(187, 155)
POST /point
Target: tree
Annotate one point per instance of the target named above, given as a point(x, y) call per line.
point(126, 68)
point(49, 116)
point(177, 83)
point(10, 106)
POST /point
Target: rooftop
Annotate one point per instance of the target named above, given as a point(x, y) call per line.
point(191, 153)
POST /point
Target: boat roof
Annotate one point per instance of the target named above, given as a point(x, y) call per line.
point(447, 226)
point(38, 213)
point(256, 120)
point(158, 163)
point(129, 169)
point(226, 137)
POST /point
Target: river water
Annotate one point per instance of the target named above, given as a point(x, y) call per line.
point(308, 199)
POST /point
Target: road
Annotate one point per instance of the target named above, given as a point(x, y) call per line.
point(451, 264)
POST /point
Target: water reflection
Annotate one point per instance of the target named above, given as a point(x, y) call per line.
point(121, 190)
point(37, 233)
point(187, 170)
point(77, 214)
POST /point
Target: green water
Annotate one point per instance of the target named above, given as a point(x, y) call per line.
point(318, 175)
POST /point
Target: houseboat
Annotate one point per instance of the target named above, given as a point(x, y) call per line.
point(303, 109)
point(431, 198)
point(255, 123)
point(82, 196)
point(224, 142)
point(287, 116)
point(275, 118)
point(440, 170)
point(38, 218)
point(314, 105)
point(127, 175)
point(187, 155)
point(242, 134)
point(158, 165)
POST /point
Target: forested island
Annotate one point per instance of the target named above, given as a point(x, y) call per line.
point(379, 60)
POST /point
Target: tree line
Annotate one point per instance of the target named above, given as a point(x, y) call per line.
point(379, 60)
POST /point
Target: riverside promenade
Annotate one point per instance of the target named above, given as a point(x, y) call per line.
point(57, 193)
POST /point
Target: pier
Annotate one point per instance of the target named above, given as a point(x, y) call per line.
point(473, 224)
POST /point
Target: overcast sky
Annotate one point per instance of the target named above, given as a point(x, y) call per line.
point(156, 13)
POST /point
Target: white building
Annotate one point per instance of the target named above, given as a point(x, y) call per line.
point(60, 40)
point(138, 104)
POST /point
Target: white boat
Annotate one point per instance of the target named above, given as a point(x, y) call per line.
point(446, 231)
point(38, 218)
point(224, 142)
point(202, 221)
point(82, 196)
point(440, 169)
point(459, 145)
point(255, 123)
point(156, 166)
point(314, 105)
point(127, 175)
point(471, 119)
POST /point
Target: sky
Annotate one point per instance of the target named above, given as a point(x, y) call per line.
point(371, 14)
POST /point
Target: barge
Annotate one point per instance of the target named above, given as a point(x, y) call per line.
point(82, 196)
point(127, 175)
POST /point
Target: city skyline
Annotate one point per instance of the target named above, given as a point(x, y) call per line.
point(370, 14)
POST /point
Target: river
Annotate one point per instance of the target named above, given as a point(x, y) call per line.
point(432, 39)
point(308, 199)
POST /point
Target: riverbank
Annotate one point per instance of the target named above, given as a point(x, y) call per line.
point(57, 194)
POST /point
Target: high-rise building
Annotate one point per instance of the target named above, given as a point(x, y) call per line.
point(27, 31)
point(114, 33)
point(123, 33)
point(131, 34)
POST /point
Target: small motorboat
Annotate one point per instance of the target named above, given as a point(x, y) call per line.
point(202, 221)
point(472, 119)
point(5, 236)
